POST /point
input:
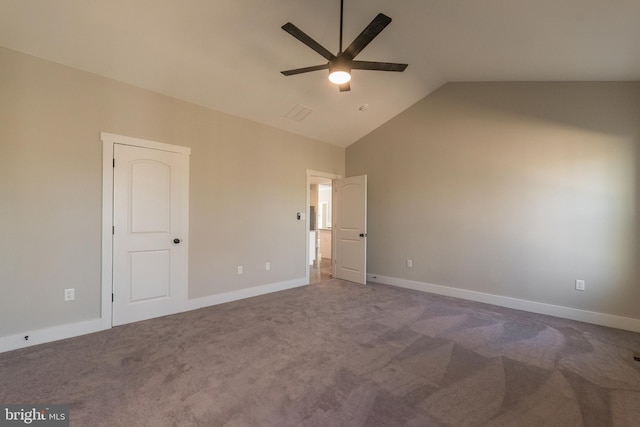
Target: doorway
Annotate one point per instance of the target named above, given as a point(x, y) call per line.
point(319, 226)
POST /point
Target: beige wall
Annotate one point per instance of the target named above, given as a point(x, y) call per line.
point(247, 183)
point(513, 189)
point(313, 196)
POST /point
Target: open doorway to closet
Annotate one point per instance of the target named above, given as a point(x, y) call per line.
point(320, 211)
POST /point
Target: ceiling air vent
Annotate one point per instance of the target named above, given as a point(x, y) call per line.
point(298, 113)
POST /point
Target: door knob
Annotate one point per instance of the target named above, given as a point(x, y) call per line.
point(363, 234)
point(176, 241)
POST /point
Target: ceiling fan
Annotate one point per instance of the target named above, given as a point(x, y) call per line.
point(340, 65)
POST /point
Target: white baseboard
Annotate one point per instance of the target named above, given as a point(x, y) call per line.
point(619, 322)
point(196, 303)
point(53, 333)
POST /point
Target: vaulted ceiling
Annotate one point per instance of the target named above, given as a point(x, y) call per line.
point(228, 54)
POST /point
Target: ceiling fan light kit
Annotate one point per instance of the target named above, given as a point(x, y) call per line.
point(340, 65)
point(339, 70)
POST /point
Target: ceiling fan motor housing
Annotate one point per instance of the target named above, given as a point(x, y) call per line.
point(340, 63)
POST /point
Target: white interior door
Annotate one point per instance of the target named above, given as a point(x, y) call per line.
point(350, 228)
point(150, 253)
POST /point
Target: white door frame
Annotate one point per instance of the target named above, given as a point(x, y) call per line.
point(311, 173)
point(108, 141)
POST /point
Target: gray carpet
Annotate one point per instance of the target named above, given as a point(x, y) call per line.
point(337, 354)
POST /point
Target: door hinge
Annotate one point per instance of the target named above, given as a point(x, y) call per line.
point(114, 163)
point(111, 297)
point(113, 229)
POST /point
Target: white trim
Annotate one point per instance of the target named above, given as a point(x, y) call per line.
point(53, 333)
point(107, 224)
point(196, 303)
point(311, 173)
point(108, 142)
point(603, 319)
point(323, 174)
point(110, 138)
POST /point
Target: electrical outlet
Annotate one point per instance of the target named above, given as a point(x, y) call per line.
point(267, 266)
point(580, 285)
point(240, 270)
point(409, 263)
point(69, 294)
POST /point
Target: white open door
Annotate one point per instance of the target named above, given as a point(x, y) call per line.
point(150, 253)
point(350, 228)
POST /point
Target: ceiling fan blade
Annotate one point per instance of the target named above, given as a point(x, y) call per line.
point(305, 70)
point(378, 66)
point(304, 38)
point(373, 29)
point(345, 87)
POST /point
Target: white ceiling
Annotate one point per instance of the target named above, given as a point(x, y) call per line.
point(228, 54)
